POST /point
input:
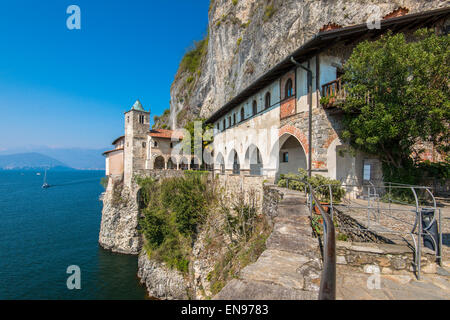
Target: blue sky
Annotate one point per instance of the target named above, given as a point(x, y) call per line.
point(69, 88)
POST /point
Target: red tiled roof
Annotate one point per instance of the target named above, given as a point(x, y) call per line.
point(166, 134)
point(330, 26)
point(118, 139)
point(108, 152)
point(399, 12)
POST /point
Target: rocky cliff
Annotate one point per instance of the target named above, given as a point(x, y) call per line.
point(118, 228)
point(248, 37)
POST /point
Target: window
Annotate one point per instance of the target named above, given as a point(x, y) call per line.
point(242, 114)
point(155, 144)
point(229, 121)
point(144, 145)
point(367, 171)
point(218, 126)
point(234, 118)
point(255, 107)
point(288, 89)
point(285, 156)
point(224, 124)
point(128, 119)
point(171, 145)
point(267, 105)
point(141, 118)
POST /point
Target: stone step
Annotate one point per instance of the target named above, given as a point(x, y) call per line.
point(301, 243)
point(279, 267)
point(292, 202)
point(290, 227)
point(256, 290)
point(292, 210)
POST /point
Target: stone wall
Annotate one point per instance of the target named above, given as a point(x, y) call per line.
point(272, 197)
point(158, 174)
point(388, 258)
point(326, 128)
point(354, 230)
point(247, 185)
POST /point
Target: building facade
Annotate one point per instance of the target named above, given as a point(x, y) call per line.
point(278, 125)
point(142, 148)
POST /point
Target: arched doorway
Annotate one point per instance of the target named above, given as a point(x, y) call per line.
point(171, 164)
point(184, 164)
point(159, 163)
point(220, 163)
point(291, 156)
point(253, 159)
point(233, 159)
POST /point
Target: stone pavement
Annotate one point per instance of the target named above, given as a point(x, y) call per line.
point(290, 267)
point(354, 286)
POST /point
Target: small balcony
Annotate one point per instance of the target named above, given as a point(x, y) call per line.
point(333, 94)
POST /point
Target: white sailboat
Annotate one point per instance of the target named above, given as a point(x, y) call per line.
point(45, 185)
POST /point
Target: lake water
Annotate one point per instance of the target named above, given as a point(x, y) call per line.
point(42, 232)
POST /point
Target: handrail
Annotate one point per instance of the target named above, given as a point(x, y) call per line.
point(328, 281)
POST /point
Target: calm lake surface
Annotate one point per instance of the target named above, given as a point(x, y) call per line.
point(42, 232)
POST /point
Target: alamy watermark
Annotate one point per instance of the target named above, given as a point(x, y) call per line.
point(73, 22)
point(374, 281)
point(74, 280)
point(374, 19)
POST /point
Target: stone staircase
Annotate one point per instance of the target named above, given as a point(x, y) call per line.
point(290, 267)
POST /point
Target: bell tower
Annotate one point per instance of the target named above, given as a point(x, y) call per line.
point(137, 125)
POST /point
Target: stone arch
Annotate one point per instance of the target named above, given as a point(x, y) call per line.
point(234, 161)
point(172, 163)
point(301, 137)
point(253, 160)
point(183, 163)
point(290, 154)
point(220, 161)
point(159, 163)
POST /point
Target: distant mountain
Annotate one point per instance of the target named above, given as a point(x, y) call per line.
point(78, 158)
point(30, 161)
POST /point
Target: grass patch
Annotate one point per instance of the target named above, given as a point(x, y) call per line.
point(268, 12)
point(191, 61)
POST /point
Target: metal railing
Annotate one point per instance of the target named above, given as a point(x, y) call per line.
point(380, 202)
point(327, 289)
point(400, 217)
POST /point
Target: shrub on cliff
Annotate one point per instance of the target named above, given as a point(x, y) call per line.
point(192, 59)
point(172, 211)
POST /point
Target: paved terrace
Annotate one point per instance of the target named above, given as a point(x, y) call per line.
point(435, 282)
point(290, 267)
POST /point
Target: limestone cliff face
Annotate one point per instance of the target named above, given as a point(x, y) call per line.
point(160, 281)
point(118, 229)
point(248, 38)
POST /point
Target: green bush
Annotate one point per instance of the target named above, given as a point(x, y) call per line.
point(172, 210)
point(192, 59)
point(268, 12)
point(104, 182)
point(318, 183)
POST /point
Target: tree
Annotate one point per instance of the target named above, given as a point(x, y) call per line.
point(203, 135)
point(398, 95)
